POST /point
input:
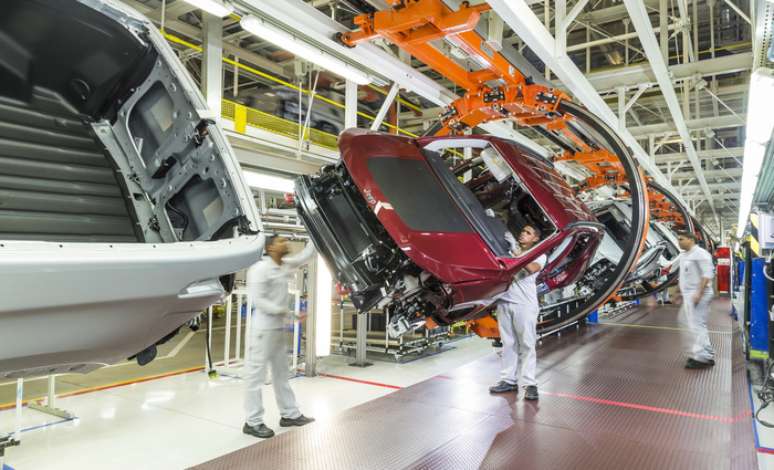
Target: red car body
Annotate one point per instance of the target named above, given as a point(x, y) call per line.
point(439, 226)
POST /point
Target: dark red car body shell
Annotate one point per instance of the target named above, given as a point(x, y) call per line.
point(464, 261)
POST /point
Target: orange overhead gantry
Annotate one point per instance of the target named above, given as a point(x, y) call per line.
point(497, 91)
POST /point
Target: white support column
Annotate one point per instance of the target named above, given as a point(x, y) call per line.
point(560, 30)
point(236, 75)
point(650, 45)
point(547, 20)
point(361, 337)
point(739, 11)
point(662, 28)
point(310, 349)
point(212, 63)
point(519, 16)
point(626, 22)
point(574, 12)
point(640, 90)
point(621, 91)
point(350, 104)
point(385, 107)
point(588, 50)
point(494, 38)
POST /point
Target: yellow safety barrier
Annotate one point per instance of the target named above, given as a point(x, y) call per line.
point(176, 40)
point(244, 116)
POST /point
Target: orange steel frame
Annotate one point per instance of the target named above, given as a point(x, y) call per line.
point(413, 24)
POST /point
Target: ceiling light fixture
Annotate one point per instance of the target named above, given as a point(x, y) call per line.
point(268, 182)
point(213, 7)
point(760, 125)
point(302, 49)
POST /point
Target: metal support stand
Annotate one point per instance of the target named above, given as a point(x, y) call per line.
point(6, 442)
point(361, 335)
point(50, 408)
point(296, 325)
point(12, 440)
point(227, 342)
point(310, 357)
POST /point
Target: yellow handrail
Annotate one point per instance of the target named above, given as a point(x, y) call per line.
point(244, 116)
point(177, 40)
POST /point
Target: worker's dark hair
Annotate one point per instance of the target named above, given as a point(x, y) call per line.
point(537, 230)
point(269, 242)
point(686, 234)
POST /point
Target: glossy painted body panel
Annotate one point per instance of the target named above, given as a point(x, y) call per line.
point(464, 260)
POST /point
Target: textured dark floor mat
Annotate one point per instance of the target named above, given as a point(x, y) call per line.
point(612, 397)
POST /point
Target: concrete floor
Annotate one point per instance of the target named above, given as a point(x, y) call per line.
point(184, 351)
point(183, 420)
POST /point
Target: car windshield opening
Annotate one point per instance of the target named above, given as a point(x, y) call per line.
point(491, 195)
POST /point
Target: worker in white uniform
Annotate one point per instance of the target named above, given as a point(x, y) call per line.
point(517, 314)
point(696, 274)
point(267, 283)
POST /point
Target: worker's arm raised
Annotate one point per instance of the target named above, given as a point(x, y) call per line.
point(531, 268)
point(295, 261)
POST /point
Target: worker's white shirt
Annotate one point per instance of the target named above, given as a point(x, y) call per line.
point(695, 264)
point(524, 291)
point(267, 283)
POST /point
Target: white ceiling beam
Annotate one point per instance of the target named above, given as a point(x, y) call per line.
point(196, 33)
point(712, 154)
point(385, 107)
point(574, 12)
point(720, 122)
point(518, 15)
point(739, 11)
point(728, 92)
point(617, 38)
point(613, 13)
point(634, 75)
point(641, 22)
point(173, 11)
point(720, 173)
point(307, 21)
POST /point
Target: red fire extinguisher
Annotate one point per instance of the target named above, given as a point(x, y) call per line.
point(723, 271)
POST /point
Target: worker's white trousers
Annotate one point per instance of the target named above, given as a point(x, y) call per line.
point(696, 316)
point(267, 349)
point(518, 333)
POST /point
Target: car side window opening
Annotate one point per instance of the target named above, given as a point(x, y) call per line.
point(615, 223)
point(498, 190)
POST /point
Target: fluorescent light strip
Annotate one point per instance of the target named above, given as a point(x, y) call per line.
point(213, 7)
point(322, 309)
point(268, 182)
point(298, 47)
point(760, 125)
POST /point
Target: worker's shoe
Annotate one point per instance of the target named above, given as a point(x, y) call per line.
point(694, 364)
point(531, 393)
point(300, 421)
point(262, 431)
point(503, 387)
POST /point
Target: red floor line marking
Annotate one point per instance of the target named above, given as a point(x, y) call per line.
point(765, 450)
point(352, 379)
point(635, 406)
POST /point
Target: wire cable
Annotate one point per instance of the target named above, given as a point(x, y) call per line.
point(766, 395)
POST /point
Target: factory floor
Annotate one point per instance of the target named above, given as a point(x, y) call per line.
point(178, 421)
point(613, 395)
point(188, 419)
